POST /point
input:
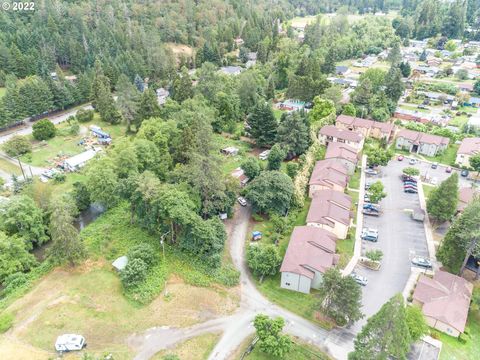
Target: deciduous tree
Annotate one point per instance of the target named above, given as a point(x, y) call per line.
point(270, 192)
point(275, 157)
point(263, 260)
point(341, 297)
point(43, 130)
point(270, 338)
point(442, 201)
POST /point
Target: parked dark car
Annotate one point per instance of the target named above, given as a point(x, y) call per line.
point(408, 177)
point(410, 190)
point(464, 173)
point(434, 165)
point(370, 212)
point(370, 206)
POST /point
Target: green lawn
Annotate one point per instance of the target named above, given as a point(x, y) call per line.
point(447, 157)
point(278, 113)
point(299, 351)
point(458, 121)
point(453, 349)
point(354, 182)
point(10, 168)
point(427, 189)
point(2, 92)
point(345, 248)
point(413, 108)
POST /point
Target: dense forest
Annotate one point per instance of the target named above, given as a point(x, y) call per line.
point(135, 40)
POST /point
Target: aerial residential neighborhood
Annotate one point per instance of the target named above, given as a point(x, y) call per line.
point(235, 180)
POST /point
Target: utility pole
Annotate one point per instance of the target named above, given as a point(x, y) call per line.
point(163, 248)
point(21, 168)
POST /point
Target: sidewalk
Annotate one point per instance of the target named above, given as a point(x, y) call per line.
point(357, 251)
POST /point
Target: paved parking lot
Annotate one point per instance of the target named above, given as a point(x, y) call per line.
point(426, 171)
point(400, 238)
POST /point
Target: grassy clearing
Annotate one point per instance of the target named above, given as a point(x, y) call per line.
point(2, 92)
point(299, 351)
point(453, 349)
point(198, 348)
point(10, 168)
point(45, 152)
point(90, 299)
point(230, 163)
point(413, 108)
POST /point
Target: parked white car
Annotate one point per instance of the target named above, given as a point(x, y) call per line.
point(241, 200)
point(70, 342)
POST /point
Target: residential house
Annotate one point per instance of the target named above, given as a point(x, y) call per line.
point(310, 252)
point(330, 210)
point(435, 96)
point(346, 83)
point(78, 161)
point(366, 62)
point(330, 133)
point(162, 95)
point(434, 61)
point(468, 148)
point(418, 44)
point(473, 101)
point(344, 154)
point(465, 196)
point(445, 300)
point(342, 70)
point(231, 70)
point(465, 87)
point(328, 175)
point(417, 116)
point(368, 128)
point(421, 143)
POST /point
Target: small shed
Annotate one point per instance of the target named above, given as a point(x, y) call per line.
point(120, 263)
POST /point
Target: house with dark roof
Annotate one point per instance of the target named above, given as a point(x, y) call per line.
point(344, 154)
point(330, 210)
point(421, 143)
point(342, 70)
point(468, 148)
point(330, 133)
point(368, 128)
point(328, 175)
point(310, 252)
point(445, 300)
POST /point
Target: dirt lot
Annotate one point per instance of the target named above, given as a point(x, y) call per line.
point(89, 301)
point(198, 348)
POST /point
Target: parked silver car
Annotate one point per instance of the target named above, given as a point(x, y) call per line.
point(361, 280)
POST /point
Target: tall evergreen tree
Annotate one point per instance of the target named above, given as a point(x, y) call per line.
point(385, 335)
point(293, 133)
point(263, 124)
point(182, 86)
point(147, 108)
point(393, 84)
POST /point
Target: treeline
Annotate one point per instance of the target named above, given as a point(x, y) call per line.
point(35, 95)
point(428, 18)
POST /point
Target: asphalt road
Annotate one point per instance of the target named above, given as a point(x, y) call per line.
point(400, 238)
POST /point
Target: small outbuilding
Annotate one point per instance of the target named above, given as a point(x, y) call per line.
point(120, 263)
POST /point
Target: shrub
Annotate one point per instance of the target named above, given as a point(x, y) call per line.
point(411, 171)
point(144, 252)
point(17, 145)
point(6, 320)
point(134, 273)
point(43, 130)
point(84, 115)
point(374, 255)
point(228, 275)
point(13, 282)
point(59, 177)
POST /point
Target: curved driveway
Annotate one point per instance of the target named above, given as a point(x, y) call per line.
point(237, 327)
